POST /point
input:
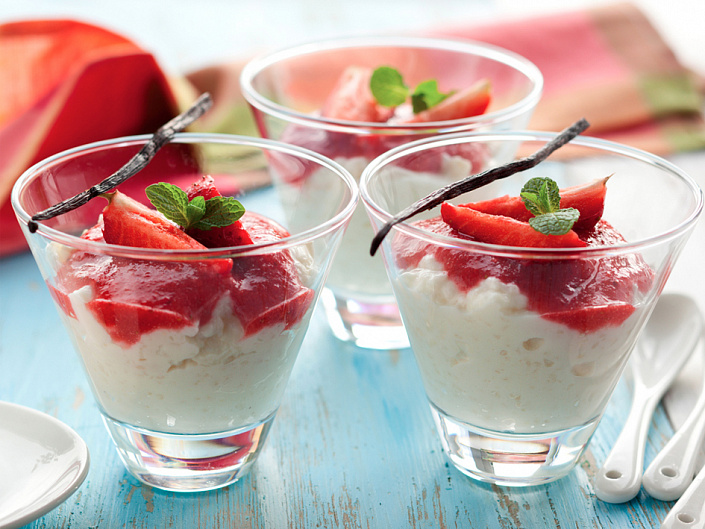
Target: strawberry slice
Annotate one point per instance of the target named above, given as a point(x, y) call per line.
point(351, 98)
point(588, 199)
point(472, 101)
point(232, 235)
point(497, 229)
point(128, 223)
point(205, 187)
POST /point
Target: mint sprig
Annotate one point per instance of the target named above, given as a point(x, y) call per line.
point(388, 86)
point(389, 90)
point(199, 213)
point(542, 198)
point(427, 95)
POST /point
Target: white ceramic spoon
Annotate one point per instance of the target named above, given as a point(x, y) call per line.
point(665, 344)
point(689, 511)
point(673, 468)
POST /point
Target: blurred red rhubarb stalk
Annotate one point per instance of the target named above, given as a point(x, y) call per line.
point(65, 83)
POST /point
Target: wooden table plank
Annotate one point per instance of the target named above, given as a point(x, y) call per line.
point(353, 445)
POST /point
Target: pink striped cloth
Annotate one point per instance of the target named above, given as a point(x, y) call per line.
point(607, 64)
point(611, 66)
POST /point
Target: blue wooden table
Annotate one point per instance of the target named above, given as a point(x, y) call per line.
point(353, 445)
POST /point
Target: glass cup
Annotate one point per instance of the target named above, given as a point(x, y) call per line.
point(520, 349)
point(287, 89)
point(188, 352)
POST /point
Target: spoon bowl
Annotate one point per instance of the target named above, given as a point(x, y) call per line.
point(665, 344)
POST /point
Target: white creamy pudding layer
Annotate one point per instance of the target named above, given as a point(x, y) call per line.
point(195, 380)
point(489, 362)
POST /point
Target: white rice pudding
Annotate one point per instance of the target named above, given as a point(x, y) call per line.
point(195, 380)
point(199, 379)
point(487, 361)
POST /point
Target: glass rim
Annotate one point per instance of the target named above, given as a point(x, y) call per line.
point(489, 51)
point(292, 240)
point(519, 251)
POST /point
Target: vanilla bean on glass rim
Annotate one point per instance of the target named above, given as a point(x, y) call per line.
point(138, 162)
point(478, 180)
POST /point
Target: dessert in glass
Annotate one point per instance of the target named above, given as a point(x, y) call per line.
point(320, 96)
point(521, 335)
point(188, 332)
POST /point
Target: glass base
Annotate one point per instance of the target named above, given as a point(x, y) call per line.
point(366, 324)
point(187, 462)
point(511, 459)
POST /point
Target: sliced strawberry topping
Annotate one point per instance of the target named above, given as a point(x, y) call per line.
point(128, 223)
point(232, 235)
point(205, 187)
point(94, 233)
point(351, 99)
point(588, 199)
point(132, 297)
point(498, 229)
point(585, 294)
point(472, 101)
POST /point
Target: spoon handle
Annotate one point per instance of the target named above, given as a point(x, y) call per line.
point(673, 468)
point(619, 479)
point(689, 511)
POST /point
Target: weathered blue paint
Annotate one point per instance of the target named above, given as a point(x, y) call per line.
point(353, 445)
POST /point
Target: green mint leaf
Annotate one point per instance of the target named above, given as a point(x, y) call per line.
point(199, 213)
point(418, 103)
point(219, 212)
point(387, 86)
point(556, 223)
point(426, 95)
point(196, 210)
point(542, 197)
point(531, 201)
point(171, 201)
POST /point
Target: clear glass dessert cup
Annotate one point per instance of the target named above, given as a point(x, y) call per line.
point(286, 90)
point(188, 352)
point(520, 349)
